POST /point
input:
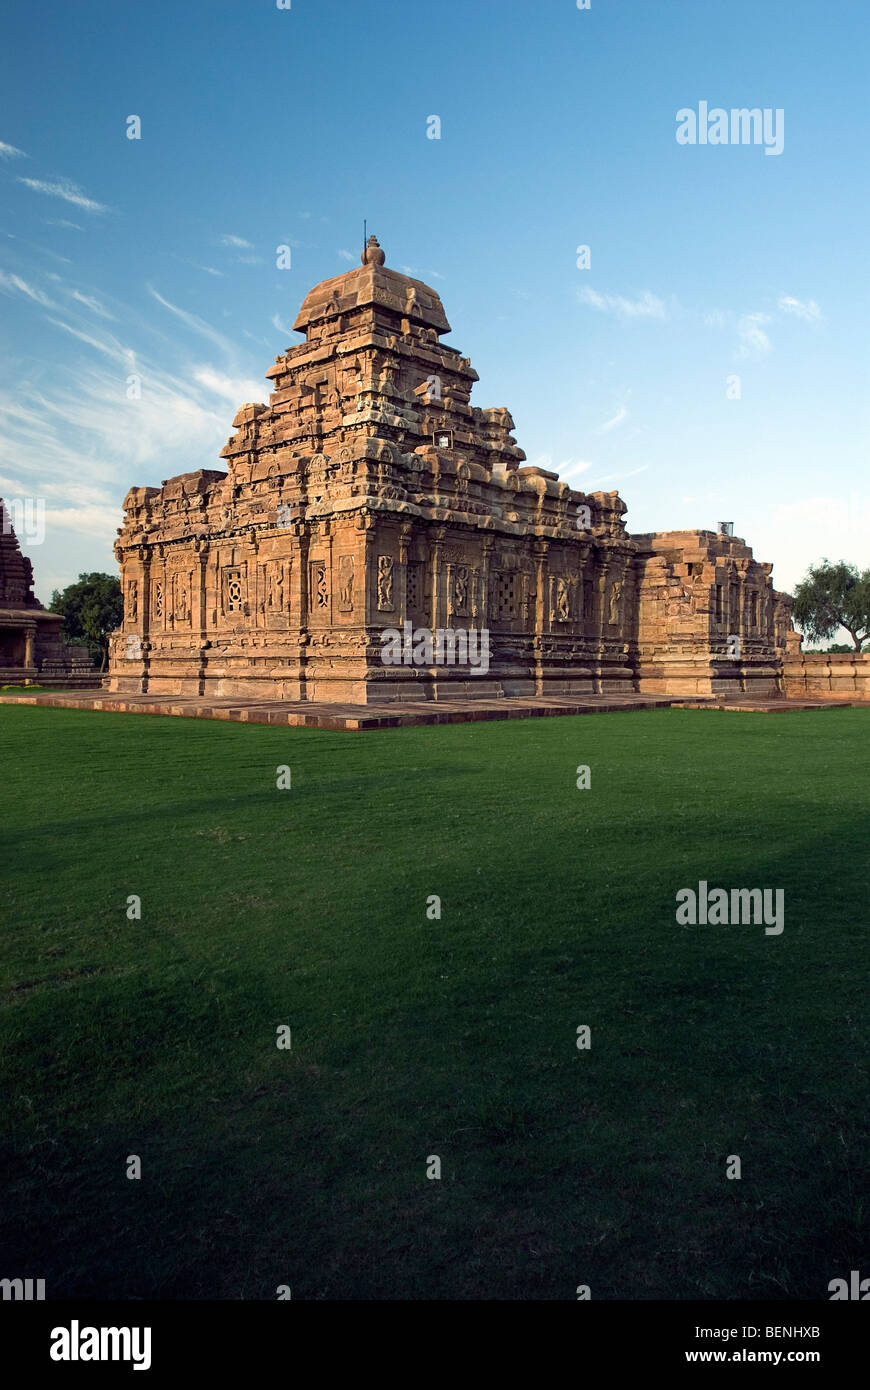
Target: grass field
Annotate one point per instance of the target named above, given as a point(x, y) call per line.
point(414, 1037)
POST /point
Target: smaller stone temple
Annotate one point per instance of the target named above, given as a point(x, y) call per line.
point(32, 648)
point(708, 617)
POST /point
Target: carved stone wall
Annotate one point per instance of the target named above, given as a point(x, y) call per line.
point(369, 492)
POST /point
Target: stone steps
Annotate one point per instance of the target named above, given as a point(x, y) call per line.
point(394, 716)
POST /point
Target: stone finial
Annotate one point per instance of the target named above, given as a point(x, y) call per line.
point(373, 255)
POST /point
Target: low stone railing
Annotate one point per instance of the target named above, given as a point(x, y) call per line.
point(836, 675)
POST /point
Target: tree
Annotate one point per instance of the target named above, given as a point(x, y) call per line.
point(91, 609)
point(834, 596)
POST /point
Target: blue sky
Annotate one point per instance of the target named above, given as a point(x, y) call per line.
point(264, 127)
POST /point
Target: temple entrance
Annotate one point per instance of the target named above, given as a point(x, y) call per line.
point(12, 646)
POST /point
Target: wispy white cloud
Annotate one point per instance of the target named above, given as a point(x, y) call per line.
point(210, 270)
point(418, 274)
point(572, 468)
point(566, 469)
point(237, 390)
point(91, 303)
point(753, 339)
point(347, 255)
point(614, 422)
point(66, 189)
point(198, 325)
point(281, 327)
point(754, 342)
point(620, 477)
point(110, 349)
point(84, 443)
point(13, 284)
point(43, 250)
point(238, 241)
point(646, 306)
point(11, 152)
point(808, 310)
point(76, 438)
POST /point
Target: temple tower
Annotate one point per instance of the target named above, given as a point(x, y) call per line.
point(366, 495)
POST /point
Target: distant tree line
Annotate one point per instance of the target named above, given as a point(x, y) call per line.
point(91, 609)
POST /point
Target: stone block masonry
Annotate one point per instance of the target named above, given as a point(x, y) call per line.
point(369, 493)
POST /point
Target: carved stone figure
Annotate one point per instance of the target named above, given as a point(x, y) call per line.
point(345, 583)
point(563, 606)
point(385, 583)
point(615, 596)
point(182, 607)
point(460, 590)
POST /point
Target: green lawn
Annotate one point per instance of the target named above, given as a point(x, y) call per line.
point(410, 1037)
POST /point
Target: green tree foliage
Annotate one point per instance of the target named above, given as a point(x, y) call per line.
point(91, 609)
point(833, 596)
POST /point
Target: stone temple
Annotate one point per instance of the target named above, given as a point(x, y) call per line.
point(369, 494)
point(32, 647)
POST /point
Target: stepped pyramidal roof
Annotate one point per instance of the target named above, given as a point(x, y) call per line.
point(420, 392)
point(16, 571)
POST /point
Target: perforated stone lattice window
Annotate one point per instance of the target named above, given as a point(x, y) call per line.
point(320, 586)
point(415, 587)
point(158, 599)
point(505, 595)
point(234, 591)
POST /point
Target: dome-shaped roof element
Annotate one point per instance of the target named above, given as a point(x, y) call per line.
point(373, 285)
point(373, 255)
